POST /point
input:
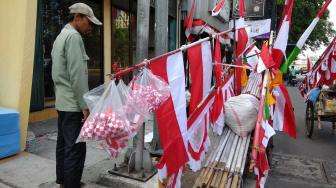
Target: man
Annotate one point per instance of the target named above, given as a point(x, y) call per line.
point(70, 76)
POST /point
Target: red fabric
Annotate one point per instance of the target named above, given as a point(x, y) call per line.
point(174, 152)
point(218, 68)
point(241, 8)
point(196, 72)
point(189, 19)
point(242, 41)
point(289, 119)
point(238, 76)
point(324, 7)
point(308, 64)
point(266, 57)
point(277, 56)
point(217, 107)
point(262, 167)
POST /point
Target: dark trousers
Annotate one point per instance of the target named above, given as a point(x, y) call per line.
point(70, 156)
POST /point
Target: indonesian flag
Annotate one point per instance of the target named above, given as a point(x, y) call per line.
point(280, 44)
point(172, 119)
point(253, 57)
point(200, 61)
point(222, 94)
point(198, 128)
point(283, 116)
point(265, 61)
point(304, 38)
point(216, 10)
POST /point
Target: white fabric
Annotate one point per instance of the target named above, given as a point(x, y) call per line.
point(306, 34)
point(254, 59)
point(278, 118)
point(269, 132)
point(176, 78)
point(207, 67)
point(282, 38)
point(333, 65)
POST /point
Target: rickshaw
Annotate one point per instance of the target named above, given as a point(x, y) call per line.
point(323, 110)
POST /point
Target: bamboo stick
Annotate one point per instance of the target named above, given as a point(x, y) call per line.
point(210, 158)
point(213, 172)
point(209, 173)
point(221, 166)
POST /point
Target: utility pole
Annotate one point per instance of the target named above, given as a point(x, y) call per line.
point(141, 54)
point(161, 47)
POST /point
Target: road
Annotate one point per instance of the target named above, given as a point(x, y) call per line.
point(303, 162)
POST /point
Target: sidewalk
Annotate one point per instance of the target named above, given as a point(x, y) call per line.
point(37, 169)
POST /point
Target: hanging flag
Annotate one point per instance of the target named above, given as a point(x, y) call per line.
point(223, 93)
point(303, 38)
point(218, 68)
point(200, 62)
point(216, 10)
point(283, 117)
point(280, 44)
point(198, 128)
point(172, 116)
point(265, 61)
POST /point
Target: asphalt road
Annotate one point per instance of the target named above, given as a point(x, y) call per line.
point(303, 162)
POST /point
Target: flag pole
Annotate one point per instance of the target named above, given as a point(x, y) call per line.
point(182, 48)
point(256, 146)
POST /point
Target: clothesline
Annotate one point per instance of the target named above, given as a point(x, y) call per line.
point(182, 48)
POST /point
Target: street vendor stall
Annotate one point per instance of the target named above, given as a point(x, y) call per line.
point(318, 88)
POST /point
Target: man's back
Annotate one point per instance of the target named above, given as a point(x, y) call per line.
point(69, 70)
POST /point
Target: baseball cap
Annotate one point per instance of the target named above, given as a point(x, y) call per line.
point(86, 10)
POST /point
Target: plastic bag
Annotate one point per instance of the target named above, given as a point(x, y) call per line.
point(241, 113)
point(109, 118)
point(91, 97)
point(148, 92)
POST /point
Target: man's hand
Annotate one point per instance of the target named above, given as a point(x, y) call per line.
point(86, 114)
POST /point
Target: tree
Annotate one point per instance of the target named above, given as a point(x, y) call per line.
point(304, 11)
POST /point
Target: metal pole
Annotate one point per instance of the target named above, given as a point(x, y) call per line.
point(141, 53)
point(161, 47)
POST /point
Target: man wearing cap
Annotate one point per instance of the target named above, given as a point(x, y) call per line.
point(70, 76)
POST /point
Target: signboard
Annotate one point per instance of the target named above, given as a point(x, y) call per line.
point(260, 28)
point(253, 8)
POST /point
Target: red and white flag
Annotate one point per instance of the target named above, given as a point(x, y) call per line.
point(280, 44)
point(266, 60)
point(172, 116)
point(283, 116)
point(216, 10)
point(222, 94)
point(200, 62)
point(198, 128)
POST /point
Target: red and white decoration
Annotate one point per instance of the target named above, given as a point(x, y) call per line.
point(222, 94)
point(172, 116)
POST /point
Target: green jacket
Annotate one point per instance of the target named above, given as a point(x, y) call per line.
point(69, 70)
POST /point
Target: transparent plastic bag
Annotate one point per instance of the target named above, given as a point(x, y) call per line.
point(109, 119)
point(92, 97)
point(148, 92)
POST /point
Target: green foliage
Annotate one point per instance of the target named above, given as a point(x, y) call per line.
point(304, 11)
